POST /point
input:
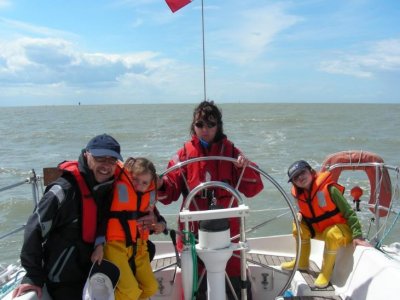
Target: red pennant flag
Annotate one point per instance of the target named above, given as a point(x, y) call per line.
point(175, 5)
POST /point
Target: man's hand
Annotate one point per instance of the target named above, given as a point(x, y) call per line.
point(24, 288)
point(97, 255)
point(159, 227)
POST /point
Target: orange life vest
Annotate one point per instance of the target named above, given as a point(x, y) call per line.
point(317, 206)
point(89, 207)
point(126, 207)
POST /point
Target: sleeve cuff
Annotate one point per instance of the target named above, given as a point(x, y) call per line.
point(99, 240)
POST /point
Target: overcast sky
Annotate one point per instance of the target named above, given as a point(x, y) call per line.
point(55, 52)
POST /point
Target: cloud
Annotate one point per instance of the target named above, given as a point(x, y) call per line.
point(51, 68)
point(252, 32)
point(22, 28)
point(382, 56)
point(5, 3)
point(51, 61)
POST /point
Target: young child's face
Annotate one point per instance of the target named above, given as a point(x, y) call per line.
point(142, 181)
point(303, 179)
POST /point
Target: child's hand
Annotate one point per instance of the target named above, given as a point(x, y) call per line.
point(361, 242)
point(97, 255)
point(147, 222)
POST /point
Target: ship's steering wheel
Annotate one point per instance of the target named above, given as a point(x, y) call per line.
point(237, 196)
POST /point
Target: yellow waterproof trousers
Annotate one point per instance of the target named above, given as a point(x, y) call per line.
point(132, 287)
point(127, 287)
point(335, 236)
point(144, 273)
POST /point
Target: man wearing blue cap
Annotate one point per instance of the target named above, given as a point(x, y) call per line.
point(60, 234)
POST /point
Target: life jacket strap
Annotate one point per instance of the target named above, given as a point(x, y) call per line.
point(124, 217)
point(325, 216)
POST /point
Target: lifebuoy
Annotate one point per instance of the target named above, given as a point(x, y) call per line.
point(379, 178)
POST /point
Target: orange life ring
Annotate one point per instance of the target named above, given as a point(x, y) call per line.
point(353, 159)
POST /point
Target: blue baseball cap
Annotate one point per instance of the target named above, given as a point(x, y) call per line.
point(104, 145)
point(296, 167)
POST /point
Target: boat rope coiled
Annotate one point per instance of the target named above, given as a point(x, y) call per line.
point(191, 240)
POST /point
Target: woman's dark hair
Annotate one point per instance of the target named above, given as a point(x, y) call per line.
point(208, 111)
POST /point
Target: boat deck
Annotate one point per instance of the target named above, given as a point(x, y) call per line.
point(163, 262)
point(273, 260)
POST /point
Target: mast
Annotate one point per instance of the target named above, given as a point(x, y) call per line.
point(204, 51)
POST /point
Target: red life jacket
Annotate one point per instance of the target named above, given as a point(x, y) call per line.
point(217, 170)
point(89, 207)
point(126, 208)
point(317, 206)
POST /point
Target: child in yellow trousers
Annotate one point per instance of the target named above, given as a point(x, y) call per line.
point(325, 215)
point(128, 227)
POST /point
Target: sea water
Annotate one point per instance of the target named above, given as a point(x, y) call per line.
point(272, 135)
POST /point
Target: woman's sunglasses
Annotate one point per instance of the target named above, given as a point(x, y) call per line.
point(201, 124)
